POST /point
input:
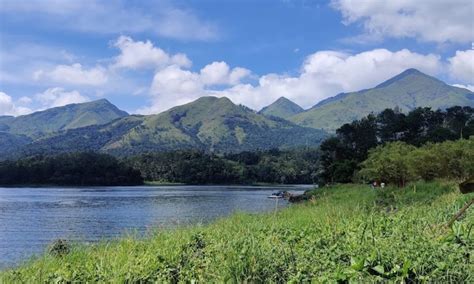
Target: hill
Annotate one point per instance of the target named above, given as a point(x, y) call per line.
point(408, 90)
point(209, 124)
point(71, 116)
point(283, 108)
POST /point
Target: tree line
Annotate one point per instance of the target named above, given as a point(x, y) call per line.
point(340, 158)
point(81, 169)
point(342, 154)
point(197, 167)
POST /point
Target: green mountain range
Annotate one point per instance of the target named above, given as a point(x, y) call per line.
point(209, 123)
point(283, 108)
point(408, 90)
point(215, 124)
point(71, 116)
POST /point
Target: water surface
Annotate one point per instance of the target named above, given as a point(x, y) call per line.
point(31, 218)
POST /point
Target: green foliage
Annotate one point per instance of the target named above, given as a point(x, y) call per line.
point(346, 235)
point(408, 90)
point(389, 164)
point(340, 155)
point(398, 163)
point(196, 167)
point(68, 169)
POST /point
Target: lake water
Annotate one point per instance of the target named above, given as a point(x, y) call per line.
point(31, 218)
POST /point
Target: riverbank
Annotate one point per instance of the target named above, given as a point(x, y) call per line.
point(346, 232)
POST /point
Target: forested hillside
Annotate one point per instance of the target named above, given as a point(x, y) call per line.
point(208, 124)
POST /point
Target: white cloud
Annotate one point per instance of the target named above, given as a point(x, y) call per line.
point(114, 17)
point(435, 21)
point(219, 73)
point(469, 87)
point(9, 107)
point(74, 75)
point(55, 97)
point(25, 100)
point(461, 66)
point(322, 75)
point(140, 54)
point(173, 86)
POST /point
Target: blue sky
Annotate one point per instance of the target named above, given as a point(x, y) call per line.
point(147, 56)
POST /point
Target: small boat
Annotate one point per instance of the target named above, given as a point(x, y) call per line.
point(280, 194)
point(274, 196)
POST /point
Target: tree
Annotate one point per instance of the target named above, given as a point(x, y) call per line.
point(389, 164)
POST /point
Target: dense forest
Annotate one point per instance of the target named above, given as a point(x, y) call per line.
point(354, 153)
point(342, 154)
point(69, 169)
point(196, 167)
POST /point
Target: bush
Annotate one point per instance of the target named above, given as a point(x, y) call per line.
point(398, 163)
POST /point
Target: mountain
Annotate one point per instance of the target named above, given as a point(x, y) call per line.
point(408, 90)
point(209, 123)
point(283, 108)
point(71, 116)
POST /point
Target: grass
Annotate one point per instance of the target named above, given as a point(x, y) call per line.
point(345, 233)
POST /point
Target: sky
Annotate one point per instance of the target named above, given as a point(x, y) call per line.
point(148, 56)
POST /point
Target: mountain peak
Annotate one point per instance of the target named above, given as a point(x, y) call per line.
point(406, 75)
point(282, 107)
point(65, 117)
point(407, 90)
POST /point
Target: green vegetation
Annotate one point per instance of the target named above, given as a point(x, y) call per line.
point(342, 154)
point(66, 117)
point(16, 133)
point(399, 163)
point(346, 233)
point(195, 167)
point(408, 90)
point(282, 108)
point(209, 124)
point(68, 169)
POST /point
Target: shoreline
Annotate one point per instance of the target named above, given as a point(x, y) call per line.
point(156, 184)
point(347, 233)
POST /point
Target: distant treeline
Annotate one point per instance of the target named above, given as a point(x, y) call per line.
point(69, 169)
point(339, 158)
point(342, 154)
point(195, 167)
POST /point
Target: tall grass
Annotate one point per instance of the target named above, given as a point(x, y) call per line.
point(348, 232)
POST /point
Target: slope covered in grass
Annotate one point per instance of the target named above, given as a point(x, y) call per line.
point(208, 124)
point(407, 91)
point(345, 233)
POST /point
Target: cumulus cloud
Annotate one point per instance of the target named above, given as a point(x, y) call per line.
point(9, 107)
point(142, 54)
point(158, 17)
point(55, 97)
point(461, 66)
point(74, 74)
point(173, 85)
point(323, 74)
point(219, 73)
point(434, 21)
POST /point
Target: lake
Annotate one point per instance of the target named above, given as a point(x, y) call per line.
point(31, 218)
